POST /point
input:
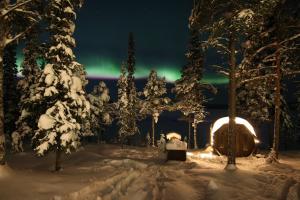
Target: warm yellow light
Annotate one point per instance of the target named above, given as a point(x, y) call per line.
point(189, 154)
point(225, 120)
point(207, 155)
point(173, 135)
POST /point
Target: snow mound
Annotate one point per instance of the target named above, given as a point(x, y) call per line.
point(212, 185)
point(5, 171)
point(230, 167)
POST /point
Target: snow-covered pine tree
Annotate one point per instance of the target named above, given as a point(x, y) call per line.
point(60, 87)
point(255, 97)
point(10, 32)
point(155, 101)
point(225, 23)
point(131, 89)
point(100, 115)
point(27, 121)
point(189, 89)
point(272, 50)
point(122, 107)
point(11, 93)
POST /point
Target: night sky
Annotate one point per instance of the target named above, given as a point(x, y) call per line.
point(161, 35)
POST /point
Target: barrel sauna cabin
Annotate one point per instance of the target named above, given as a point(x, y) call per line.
point(246, 140)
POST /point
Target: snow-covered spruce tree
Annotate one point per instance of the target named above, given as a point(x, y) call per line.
point(189, 89)
point(11, 93)
point(10, 32)
point(123, 107)
point(227, 21)
point(27, 121)
point(100, 115)
point(131, 89)
point(155, 101)
point(60, 86)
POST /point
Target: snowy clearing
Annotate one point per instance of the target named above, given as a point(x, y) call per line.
point(109, 172)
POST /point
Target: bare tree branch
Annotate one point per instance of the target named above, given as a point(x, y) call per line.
point(218, 67)
point(26, 12)
point(258, 78)
point(18, 36)
point(291, 38)
point(13, 7)
point(262, 49)
point(225, 73)
point(258, 69)
point(221, 70)
point(291, 73)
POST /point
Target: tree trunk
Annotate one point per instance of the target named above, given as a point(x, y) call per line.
point(99, 137)
point(58, 159)
point(195, 134)
point(2, 136)
point(190, 123)
point(277, 105)
point(153, 132)
point(231, 106)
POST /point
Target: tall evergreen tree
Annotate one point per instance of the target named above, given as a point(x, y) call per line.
point(189, 88)
point(100, 115)
point(10, 32)
point(11, 93)
point(122, 107)
point(131, 89)
point(27, 121)
point(271, 56)
point(60, 86)
point(155, 101)
point(226, 21)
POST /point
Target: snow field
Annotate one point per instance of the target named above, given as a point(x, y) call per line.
point(103, 172)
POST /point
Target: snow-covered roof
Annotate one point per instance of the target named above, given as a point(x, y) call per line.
point(173, 134)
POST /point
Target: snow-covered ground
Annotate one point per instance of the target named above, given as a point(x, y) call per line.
point(108, 172)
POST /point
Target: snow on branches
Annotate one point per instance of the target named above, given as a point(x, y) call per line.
point(60, 85)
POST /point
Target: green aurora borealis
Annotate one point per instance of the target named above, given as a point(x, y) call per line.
point(161, 37)
point(100, 67)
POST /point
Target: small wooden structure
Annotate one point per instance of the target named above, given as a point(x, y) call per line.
point(176, 149)
point(246, 140)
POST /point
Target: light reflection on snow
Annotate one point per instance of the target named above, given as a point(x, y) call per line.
point(203, 155)
point(189, 154)
point(207, 155)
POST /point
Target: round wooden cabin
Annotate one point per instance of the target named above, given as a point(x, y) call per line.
point(246, 140)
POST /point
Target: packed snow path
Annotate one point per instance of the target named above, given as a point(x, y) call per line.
point(109, 172)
